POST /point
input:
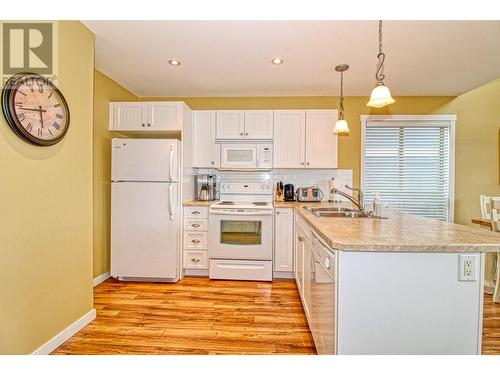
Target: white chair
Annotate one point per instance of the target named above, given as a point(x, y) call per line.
point(485, 207)
point(495, 225)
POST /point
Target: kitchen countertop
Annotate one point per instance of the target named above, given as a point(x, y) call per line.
point(198, 203)
point(401, 232)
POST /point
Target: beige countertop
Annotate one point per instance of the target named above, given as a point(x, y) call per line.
point(198, 203)
point(400, 232)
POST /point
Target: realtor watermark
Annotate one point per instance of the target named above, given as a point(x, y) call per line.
point(28, 47)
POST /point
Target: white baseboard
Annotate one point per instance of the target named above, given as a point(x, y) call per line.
point(65, 334)
point(194, 272)
point(282, 275)
point(99, 279)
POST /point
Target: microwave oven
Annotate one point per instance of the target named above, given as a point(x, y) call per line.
point(246, 156)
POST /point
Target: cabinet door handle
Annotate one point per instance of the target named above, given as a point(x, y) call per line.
point(143, 125)
point(195, 225)
point(149, 125)
point(195, 260)
point(302, 163)
point(246, 134)
point(307, 163)
point(301, 238)
point(195, 241)
point(195, 212)
point(241, 134)
point(213, 162)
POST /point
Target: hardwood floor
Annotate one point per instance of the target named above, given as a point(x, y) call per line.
point(491, 326)
point(195, 316)
point(198, 316)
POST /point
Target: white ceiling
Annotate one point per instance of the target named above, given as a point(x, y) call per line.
point(232, 58)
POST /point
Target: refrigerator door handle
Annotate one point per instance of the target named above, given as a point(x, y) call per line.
point(170, 202)
point(171, 169)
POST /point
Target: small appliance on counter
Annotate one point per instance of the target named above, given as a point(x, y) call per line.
point(289, 193)
point(279, 192)
point(205, 187)
point(309, 194)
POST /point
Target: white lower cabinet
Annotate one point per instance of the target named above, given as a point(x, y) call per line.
point(195, 238)
point(283, 240)
point(196, 259)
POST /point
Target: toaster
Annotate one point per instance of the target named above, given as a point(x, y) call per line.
point(309, 194)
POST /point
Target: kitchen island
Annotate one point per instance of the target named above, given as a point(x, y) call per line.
point(401, 285)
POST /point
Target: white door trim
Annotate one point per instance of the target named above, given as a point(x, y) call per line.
point(65, 334)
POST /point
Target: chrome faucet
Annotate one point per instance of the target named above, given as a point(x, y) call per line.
point(357, 202)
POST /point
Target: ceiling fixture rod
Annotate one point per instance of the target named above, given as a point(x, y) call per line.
point(341, 125)
point(381, 96)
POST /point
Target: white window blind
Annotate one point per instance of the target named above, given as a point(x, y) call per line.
point(409, 165)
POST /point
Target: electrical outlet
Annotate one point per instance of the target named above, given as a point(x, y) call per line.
point(467, 267)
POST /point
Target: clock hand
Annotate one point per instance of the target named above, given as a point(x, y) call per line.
point(33, 109)
point(41, 116)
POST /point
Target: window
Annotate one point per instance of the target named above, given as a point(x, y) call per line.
point(409, 161)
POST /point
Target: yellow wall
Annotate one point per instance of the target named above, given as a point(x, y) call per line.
point(476, 154)
point(105, 90)
point(46, 213)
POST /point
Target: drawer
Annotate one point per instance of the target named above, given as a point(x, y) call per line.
point(196, 224)
point(196, 259)
point(195, 212)
point(195, 240)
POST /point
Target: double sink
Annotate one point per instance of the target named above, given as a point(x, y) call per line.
point(339, 212)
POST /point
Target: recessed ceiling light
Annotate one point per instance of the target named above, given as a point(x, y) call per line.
point(174, 62)
point(277, 61)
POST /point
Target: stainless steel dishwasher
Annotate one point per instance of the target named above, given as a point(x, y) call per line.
point(323, 297)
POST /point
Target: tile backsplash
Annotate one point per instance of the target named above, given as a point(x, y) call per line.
point(297, 177)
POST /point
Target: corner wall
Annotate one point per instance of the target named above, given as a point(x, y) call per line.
point(105, 90)
point(476, 148)
point(46, 213)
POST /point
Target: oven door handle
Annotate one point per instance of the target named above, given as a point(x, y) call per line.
point(218, 213)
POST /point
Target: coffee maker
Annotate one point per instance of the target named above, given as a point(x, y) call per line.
point(205, 187)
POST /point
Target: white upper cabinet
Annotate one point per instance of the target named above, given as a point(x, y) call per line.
point(146, 116)
point(258, 124)
point(289, 138)
point(240, 125)
point(128, 116)
point(165, 116)
point(321, 142)
point(305, 139)
point(206, 153)
point(230, 125)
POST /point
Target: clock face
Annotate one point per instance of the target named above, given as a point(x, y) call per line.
point(37, 111)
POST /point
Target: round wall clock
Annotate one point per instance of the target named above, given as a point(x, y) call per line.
point(35, 109)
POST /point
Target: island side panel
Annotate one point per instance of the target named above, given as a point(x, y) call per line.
point(408, 303)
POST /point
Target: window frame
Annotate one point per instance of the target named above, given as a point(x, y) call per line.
point(415, 121)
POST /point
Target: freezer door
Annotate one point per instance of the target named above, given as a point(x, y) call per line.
point(145, 225)
point(145, 160)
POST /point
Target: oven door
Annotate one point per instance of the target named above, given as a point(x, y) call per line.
point(238, 156)
point(241, 235)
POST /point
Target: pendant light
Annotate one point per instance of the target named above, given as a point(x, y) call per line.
point(381, 96)
point(341, 124)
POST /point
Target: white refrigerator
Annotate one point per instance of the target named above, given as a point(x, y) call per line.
point(145, 208)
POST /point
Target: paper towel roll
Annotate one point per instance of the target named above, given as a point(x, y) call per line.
point(332, 197)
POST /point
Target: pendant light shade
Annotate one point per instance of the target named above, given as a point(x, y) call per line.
point(341, 127)
point(381, 96)
point(341, 124)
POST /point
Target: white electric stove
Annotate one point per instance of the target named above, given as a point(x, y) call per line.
point(241, 232)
